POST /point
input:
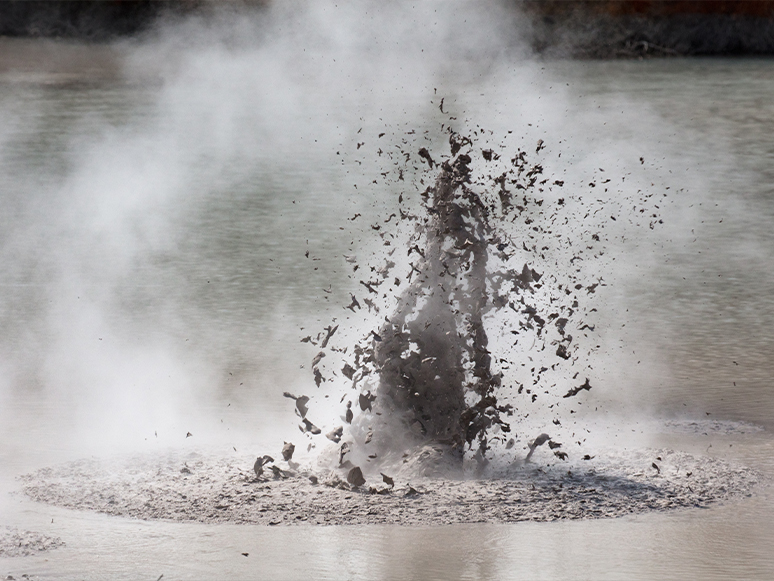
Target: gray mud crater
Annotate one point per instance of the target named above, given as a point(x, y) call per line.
point(213, 489)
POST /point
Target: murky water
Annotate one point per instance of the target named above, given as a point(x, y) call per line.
point(158, 203)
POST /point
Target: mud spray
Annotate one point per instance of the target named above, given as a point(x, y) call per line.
point(463, 363)
point(478, 302)
point(458, 368)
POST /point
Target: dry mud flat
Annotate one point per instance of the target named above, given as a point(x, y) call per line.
point(211, 489)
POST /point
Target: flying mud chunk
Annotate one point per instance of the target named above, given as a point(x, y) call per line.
point(355, 477)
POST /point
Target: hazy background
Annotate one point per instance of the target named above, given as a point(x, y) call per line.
point(160, 193)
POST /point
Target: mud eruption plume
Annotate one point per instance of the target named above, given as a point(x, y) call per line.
point(433, 350)
point(438, 378)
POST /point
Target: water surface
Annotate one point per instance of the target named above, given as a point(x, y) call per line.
point(158, 204)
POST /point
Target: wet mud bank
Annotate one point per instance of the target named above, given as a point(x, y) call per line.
point(621, 28)
point(208, 488)
point(99, 20)
point(79, 19)
point(21, 543)
point(578, 28)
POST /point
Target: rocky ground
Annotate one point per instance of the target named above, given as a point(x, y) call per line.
point(209, 488)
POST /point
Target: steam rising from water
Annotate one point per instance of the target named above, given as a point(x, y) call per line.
point(157, 221)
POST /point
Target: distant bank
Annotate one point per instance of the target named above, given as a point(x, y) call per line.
point(89, 19)
point(583, 28)
point(609, 28)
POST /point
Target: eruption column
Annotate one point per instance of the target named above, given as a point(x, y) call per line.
point(433, 350)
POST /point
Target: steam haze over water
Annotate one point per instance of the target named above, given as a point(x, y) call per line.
point(159, 195)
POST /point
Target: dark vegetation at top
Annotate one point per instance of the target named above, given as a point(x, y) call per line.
point(556, 28)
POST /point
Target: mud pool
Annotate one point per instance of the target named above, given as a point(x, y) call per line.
point(156, 284)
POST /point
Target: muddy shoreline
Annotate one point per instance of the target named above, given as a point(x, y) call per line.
point(208, 488)
point(21, 543)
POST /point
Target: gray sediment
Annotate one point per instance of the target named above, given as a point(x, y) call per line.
point(21, 543)
point(214, 489)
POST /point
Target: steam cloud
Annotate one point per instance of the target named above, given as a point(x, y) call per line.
point(153, 244)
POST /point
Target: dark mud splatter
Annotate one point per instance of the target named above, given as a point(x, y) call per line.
point(489, 268)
